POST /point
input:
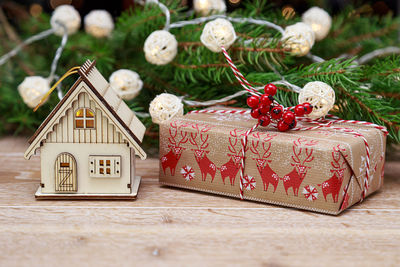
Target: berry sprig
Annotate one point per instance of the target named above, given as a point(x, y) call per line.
point(265, 109)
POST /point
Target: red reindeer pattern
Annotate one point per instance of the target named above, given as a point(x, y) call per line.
point(231, 168)
point(205, 164)
point(268, 176)
point(332, 185)
point(170, 160)
point(296, 176)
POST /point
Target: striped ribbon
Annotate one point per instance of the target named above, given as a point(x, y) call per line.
point(242, 80)
point(242, 160)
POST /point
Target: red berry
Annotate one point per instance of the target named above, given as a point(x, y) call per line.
point(293, 124)
point(253, 101)
point(264, 109)
point(264, 120)
point(299, 110)
point(282, 126)
point(307, 108)
point(288, 117)
point(270, 89)
point(266, 100)
point(276, 112)
point(255, 113)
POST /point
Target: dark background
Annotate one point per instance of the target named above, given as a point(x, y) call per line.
point(15, 9)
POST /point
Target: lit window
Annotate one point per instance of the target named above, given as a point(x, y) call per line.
point(84, 119)
point(105, 166)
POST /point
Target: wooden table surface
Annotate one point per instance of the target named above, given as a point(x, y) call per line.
point(172, 226)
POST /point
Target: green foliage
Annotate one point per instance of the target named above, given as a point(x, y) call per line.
point(363, 92)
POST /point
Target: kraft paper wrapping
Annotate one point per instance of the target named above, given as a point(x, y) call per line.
point(321, 170)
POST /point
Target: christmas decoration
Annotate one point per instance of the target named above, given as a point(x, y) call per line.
point(67, 16)
point(160, 47)
point(32, 90)
point(165, 107)
point(310, 193)
point(321, 97)
point(299, 38)
point(219, 147)
point(187, 173)
point(205, 7)
point(217, 33)
point(99, 23)
point(99, 167)
point(319, 20)
point(126, 83)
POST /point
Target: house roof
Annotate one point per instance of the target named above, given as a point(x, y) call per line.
point(133, 129)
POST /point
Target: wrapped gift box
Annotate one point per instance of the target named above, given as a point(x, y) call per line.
point(320, 170)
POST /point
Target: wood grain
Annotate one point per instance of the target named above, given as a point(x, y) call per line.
point(167, 226)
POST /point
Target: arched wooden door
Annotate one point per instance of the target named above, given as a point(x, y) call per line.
point(65, 173)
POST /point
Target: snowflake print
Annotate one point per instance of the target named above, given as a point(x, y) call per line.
point(310, 192)
point(187, 173)
point(249, 182)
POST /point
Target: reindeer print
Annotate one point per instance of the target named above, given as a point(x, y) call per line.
point(231, 168)
point(268, 176)
point(332, 185)
point(170, 160)
point(200, 140)
point(296, 176)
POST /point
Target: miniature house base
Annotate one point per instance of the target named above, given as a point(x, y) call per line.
point(134, 190)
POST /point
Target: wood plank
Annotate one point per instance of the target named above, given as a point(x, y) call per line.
point(99, 126)
point(107, 236)
point(93, 132)
point(167, 226)
point(70, 125)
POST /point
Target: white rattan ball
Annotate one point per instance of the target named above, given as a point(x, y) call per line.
point(299, 38)
point(99, 23)
point(320, 95)
point(67, 16)
point(126, 83)
point(165, 107)
point(217, 33)
point(33, 89)
point(319, 20)
point(160, 47)
point(205, 7)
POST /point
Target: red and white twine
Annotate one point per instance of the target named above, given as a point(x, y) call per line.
point(242, 159)
point(239, 76)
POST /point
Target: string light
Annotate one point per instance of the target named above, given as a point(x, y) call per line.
point(65, 15)
point(32, 90)
point(205, 7)
point(299, 38)
point(320, 95)
point(99, 23)
point(319, 20)
point(126, 83)
point(217, 33)
point(160, 47)
point(165, 107)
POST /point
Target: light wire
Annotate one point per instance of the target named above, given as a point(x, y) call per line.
point(26, 42)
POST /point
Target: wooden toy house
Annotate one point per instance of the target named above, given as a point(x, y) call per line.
point(88, 143)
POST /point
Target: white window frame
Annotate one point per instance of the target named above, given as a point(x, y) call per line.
point(104, 166)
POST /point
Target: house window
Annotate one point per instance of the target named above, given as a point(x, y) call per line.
point(105, 166)
point(84, 119)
